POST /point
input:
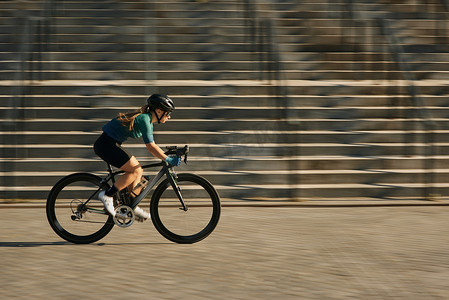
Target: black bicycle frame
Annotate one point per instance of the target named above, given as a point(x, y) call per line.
point(166, 170)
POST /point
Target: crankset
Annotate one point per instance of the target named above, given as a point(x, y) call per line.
point(124, 216)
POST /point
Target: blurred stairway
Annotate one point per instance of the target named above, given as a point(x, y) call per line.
point(355, 135)
point(364, 98)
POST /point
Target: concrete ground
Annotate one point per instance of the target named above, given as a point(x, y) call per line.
point(255, 253)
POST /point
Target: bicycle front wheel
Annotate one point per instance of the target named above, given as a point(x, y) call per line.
point(191, 225)
point(71, 217)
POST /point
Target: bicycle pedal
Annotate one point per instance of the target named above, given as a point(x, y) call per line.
point(122, 216)
point(139, 219)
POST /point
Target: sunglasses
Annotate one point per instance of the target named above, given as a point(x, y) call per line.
point(168, 114)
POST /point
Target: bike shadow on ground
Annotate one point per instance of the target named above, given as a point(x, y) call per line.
point(63, 243)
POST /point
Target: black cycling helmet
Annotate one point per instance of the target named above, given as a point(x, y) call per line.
point(162, 102)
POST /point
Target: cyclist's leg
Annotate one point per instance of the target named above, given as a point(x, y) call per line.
point(132, 177)
point(111, 151)
point(133, 173)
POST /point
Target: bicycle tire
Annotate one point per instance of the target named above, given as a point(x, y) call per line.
point(198, 221)
point(61, 201)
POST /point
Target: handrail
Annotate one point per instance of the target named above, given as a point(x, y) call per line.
point(32, 46)
point(423, 113)
point(259, 33)
point(34, 42)
point(150, 47)
point(445, 4)
point(262, 42)
point(273, 64)
point(250, 23)
point(261, 37)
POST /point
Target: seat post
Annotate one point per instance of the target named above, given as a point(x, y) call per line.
point(109, 168)
point(111, 172)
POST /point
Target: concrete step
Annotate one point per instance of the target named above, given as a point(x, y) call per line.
point(257, 125)
point(123, 13)
point(142, 46)
point(138, 75)
point(345, 23)
point(181, 112)
point(197, 20)
point(225, 75)
point(131, 38)
point(124, 66)
point(175, 5)
point(142, 55)
point(230, 149)
point(255, 178)
point(399, 190)
point(347, 29)
point(176, 55)
point(333, 45)
point(140, 87)
point(336, 46)
point(198, 161)
point(225, 87)
point(224, 66)
point(407, 6)
point(231, 112)
point(393, 102)
point(224, 137)
point(111, 29)
point(237, 34)
point(285, 191)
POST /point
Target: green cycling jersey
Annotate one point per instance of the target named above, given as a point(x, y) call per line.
point(143, 127)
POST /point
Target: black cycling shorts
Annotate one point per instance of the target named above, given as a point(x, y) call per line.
point(111, 151)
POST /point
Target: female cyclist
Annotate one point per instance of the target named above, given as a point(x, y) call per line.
point(135, 125)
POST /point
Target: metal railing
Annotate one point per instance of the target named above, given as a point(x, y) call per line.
point(396, 51)
point(445, 5)
point(420, 109)
point(150, 50)
point(33, 42)
point(262, 42)
point(36, 32)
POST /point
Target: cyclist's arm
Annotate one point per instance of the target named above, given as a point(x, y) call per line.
point(156, 150)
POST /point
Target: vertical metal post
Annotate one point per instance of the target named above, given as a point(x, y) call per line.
point(151, 51)
point(421, 111)
point(252, 31)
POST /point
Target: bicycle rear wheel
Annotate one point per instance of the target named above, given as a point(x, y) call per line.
point(70, 218)
point(193, 225)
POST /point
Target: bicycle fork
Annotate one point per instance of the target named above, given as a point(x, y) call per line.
point(172, 177)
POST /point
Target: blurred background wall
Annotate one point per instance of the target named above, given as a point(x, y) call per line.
point(280, 100)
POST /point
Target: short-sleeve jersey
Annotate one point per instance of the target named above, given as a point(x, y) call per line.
point(142, 128)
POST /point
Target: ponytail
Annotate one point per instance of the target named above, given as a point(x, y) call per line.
point(128, 119)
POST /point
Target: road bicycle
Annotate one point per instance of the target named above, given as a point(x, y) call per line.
point(184, 208)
